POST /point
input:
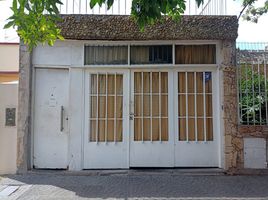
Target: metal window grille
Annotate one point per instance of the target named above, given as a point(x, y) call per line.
point(252, 62)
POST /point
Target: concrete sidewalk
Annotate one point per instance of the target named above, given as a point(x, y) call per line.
point(134, 184)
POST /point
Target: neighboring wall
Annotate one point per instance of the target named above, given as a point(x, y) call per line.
point(8, 132)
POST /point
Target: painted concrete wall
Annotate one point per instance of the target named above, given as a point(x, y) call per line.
point(8, 134)
point(9, 57)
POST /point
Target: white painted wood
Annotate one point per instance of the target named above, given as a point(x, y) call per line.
point(50, 143)
point(105, 155)
point(197, 153)
point(255, 153)
point(155, 153)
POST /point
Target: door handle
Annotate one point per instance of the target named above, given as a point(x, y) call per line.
point(61, 118)
point(131, 116)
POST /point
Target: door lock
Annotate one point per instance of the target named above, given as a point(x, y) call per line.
point(131, 116)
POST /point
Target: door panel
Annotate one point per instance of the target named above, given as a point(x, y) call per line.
point(151, 142)
point(196, 142)
point(106, 139)
point(50, 118)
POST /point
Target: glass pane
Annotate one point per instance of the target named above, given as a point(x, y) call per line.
point(209, 105)
point(111, 84)
point(110, 130)
point(119, 107)
point(155, 81)
point(155, 129)
point(137, 129)
point(93, 107)
point(200, 129)
point(164, 105)
point(146, 82)
point(146, 105)
point(119, 84)
point(153, 54)
point(102, 107)
point(191, 129)
point(195, 54)
point(108, 55)
point(92, 133)
point(164, 82)
point(146, 129)
point(181, 82)
point(191, 106)
point(208, 82)
point(102, 83)
point(164, 129)
point(137, 82)
point(209, 127)
point(199, 82)
point(138, 105)
point(101, 131)
point(182, 129)
point(119, 130)
point(155, 106)
point(190, 80)
point(110, 106)
point(200, 105)
point(182, 105)
point(94, 84)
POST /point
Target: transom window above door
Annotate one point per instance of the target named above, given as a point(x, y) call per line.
point(197, 54)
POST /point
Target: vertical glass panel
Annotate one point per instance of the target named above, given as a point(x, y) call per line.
point(200, 105)
point(119, 84)
point(209, 123)
point(93, 83)
point(155, 105)
point(164, 82)
point(209, 105)
point(101, 130)
point(191, 106)
point(164, 106)
point(146, 129)
point(93, 107)
point(108, 55)
point(111, 84)
point(137, 82)
point(119, 107)
point(181, 82)
point(190, 79)
point(155, 81)
point(138, 129)
point(102, 107)
point(182, 129)
point(182, 105)
point(110, 130)
point(146, 82)
point(92, 134)
point(164, 129)
point(199, 82)
point(138, 105)
point(191, 129)
point(102, 83)
point(119, 130)
point(200, 129)
point(155, 129)
point(110, 106)
point(146, 105)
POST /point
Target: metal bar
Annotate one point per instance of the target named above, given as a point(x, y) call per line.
point(240, 90)
point(61, 118)
point(204, 102)
point(259, 79)
point(142, 106)
point(186, 96)
point(195, 107)
point(253, 90)
point(265, 89)
point(247, 91)
point(106, 110)
point(97, 114)
point(160, 111)
point(115, 107)
point(151, 104)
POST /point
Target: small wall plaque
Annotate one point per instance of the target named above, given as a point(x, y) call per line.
point(10, 116)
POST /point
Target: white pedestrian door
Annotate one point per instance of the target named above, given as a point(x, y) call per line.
point(151, 118)
point(50, 118)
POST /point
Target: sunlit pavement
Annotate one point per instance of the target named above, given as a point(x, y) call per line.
point(136, 184)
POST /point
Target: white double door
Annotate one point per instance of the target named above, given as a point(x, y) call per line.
point(151, 118)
